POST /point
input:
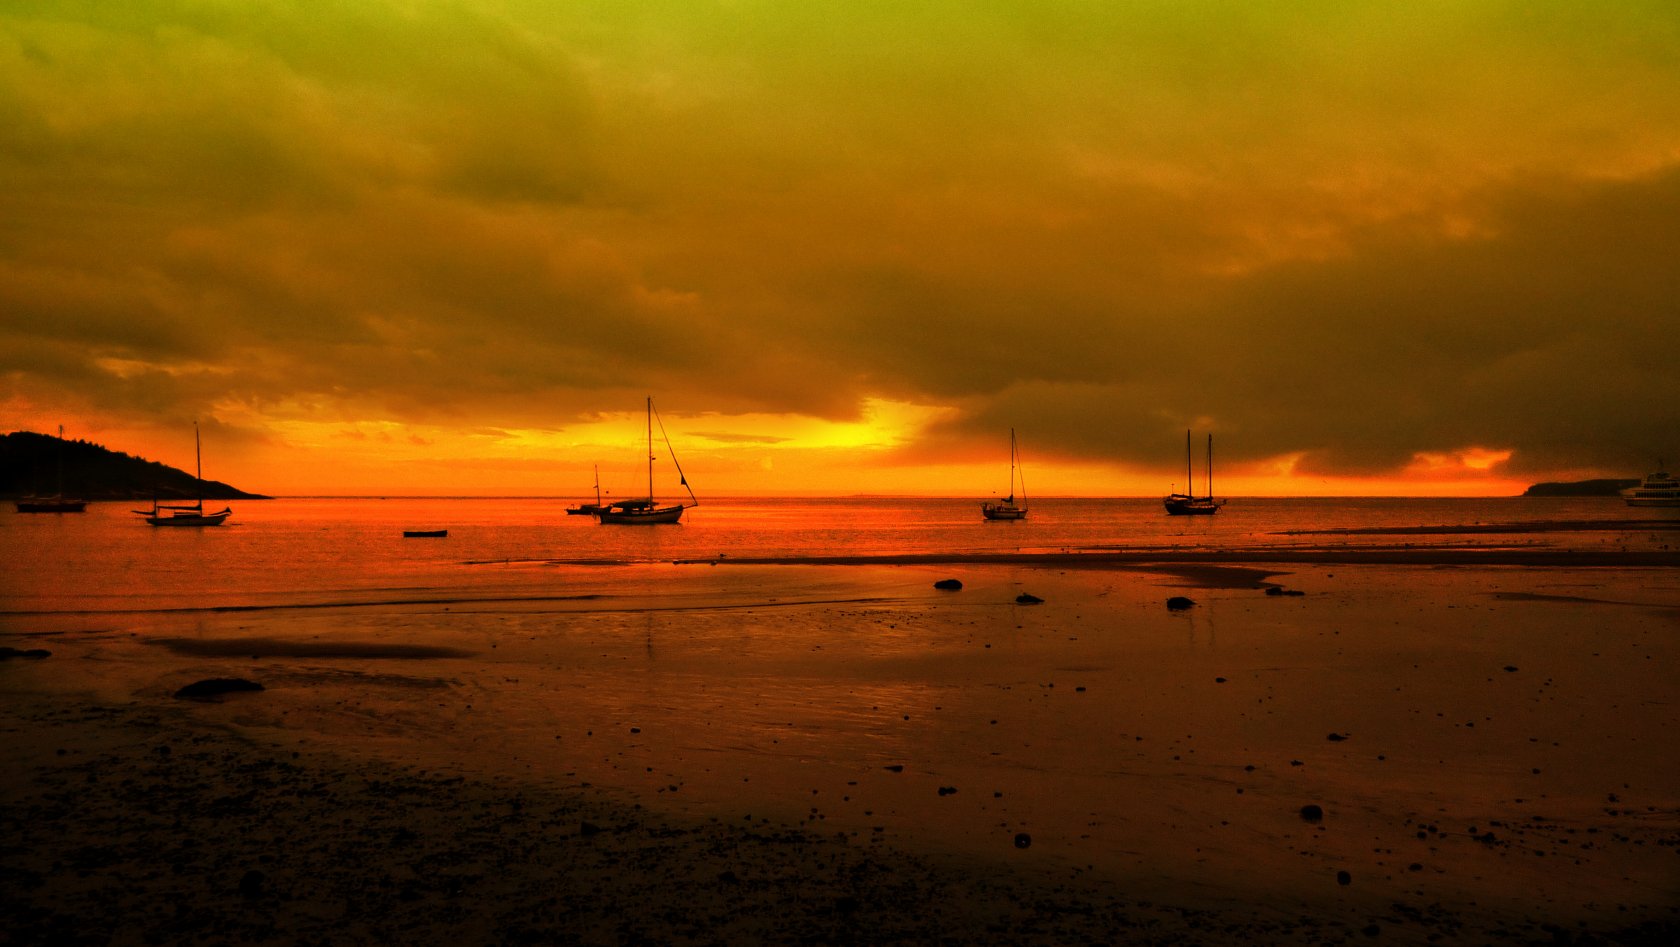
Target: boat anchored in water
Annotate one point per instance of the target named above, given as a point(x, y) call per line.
point(184, 514)
point(1657, 489)
point(647, 512)
point(1188, 503)
point(1007, 508)
point(58, 502)
point(590, 509)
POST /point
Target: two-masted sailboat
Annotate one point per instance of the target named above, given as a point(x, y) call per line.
point(187, 514)
point(1007, 508)
point(58, 502)
point(646, 511)
point(1188, 503)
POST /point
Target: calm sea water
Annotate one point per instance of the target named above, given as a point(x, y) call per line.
point(319, 551)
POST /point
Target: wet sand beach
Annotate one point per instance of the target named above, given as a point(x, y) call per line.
point(1423, 750)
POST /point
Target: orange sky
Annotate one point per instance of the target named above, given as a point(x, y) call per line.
point(450, 248)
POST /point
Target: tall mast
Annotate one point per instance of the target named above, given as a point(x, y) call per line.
point(198, 461)
point(1210, 467)
point(650, 446)
point(1189, 478)
point(597, 484)
point(1015, 457)
point(61, 460)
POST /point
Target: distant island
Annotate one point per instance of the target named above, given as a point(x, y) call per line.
point(1580, 488)
point(29, 465)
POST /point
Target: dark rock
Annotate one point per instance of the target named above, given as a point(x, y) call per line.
point(1178, 603)
point(589, 828)
point(1510, 667)
point(1022, 840)
point(215, 687)
point(1273, 590)
point(1343, 878)
point(7, 653)
point(947, 790)
point(1370, 930)
point(251, 885)
point(1219, 680)
point(1027, 598)
point(1293, 592)
point(1312, 813)
point(894, 768)
point(1336, 737)
point(950, 584)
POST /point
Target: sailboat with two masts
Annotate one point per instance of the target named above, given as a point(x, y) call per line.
point(187, 514)
point(1008, 508)
point(58, 502)
point(1188, 503)
point(647, 512)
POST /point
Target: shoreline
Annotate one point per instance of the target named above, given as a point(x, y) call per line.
point(1150, 559)
point(241, 840)
point(841, 753)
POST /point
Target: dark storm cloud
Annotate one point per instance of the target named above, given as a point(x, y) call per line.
point(1320, 232)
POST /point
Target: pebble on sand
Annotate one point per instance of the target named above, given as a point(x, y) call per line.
point(215, 687)
point(950, 584)
point(1312, 813)
point(1022, 840)
point(6, 653)
point(1343, 878)
point(1178, 603)
point(1027, 598)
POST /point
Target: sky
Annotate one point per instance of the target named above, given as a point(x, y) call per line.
point(399, 246)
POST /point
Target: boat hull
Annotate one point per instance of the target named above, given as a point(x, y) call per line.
point(1665, 501)
point(993, 512)
point(651, 516)
point(1192, 506)
point(50, 505)
point(425, 533)
point(587, 509)
point(190, 519)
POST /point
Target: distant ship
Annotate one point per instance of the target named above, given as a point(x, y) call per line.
point(1187, 503)
point(640, 512)
point(1007, 508)
point(1658, 489)
point(58, 502)
point(183, 514)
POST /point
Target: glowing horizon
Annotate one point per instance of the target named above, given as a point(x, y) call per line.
point(432, 248)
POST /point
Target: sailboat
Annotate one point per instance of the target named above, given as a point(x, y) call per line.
point(58, 502)
point(1188, 503)
point(638, 512)
point(184, 514)
point(1007, 508)
point(589, 509)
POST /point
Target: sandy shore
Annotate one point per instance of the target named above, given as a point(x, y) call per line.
point(842, 754)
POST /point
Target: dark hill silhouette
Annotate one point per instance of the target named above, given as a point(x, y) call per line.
point(1580, 488)
point(29, 464)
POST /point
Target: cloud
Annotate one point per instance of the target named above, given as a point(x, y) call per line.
point(1345, 236)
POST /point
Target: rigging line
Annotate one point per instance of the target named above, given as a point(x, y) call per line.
point(683, 478)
